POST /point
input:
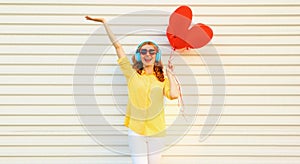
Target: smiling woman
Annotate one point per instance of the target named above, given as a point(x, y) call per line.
point(147, 86)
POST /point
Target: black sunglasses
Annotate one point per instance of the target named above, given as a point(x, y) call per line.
point(144, 51)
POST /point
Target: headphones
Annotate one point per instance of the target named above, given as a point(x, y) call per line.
point(138, 55)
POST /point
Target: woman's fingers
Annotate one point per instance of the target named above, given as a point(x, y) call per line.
point(170, 66)
point(95, 19)
point(88, 17)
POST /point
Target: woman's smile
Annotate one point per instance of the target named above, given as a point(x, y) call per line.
point(148, 59)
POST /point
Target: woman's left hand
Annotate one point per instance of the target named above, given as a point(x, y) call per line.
point(170, 67)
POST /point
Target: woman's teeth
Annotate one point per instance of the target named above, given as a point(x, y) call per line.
point(147, 60)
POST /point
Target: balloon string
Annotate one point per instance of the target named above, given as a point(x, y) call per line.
point(180, 100)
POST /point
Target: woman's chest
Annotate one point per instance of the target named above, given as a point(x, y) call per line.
point(145, 84)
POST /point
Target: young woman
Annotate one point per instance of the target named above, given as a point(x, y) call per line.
point(147, 86)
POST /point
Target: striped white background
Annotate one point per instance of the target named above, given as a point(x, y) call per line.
point(258, 43)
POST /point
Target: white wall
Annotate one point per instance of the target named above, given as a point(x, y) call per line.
point(258, 44)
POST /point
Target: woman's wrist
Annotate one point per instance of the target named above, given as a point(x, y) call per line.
point(169, 72)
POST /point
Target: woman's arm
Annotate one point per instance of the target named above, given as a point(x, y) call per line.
point(117, 45)
point(174, 91)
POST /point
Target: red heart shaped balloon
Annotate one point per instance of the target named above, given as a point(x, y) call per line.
point(179, 34)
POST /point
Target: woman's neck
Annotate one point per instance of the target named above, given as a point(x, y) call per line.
point(148, 69)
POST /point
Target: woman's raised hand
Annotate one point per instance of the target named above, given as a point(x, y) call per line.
point(95, 19)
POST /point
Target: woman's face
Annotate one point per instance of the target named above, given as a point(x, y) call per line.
point(148, 54)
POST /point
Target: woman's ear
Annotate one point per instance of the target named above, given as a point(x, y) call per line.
point(158, 63)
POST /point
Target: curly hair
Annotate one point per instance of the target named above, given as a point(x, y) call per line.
point(158, 66)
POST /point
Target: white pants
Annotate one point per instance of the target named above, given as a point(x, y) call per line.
point(144, 149)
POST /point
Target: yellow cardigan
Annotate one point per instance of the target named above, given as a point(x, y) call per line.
point(145, 108)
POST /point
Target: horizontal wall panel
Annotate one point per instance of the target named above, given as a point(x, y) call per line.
point(68, 160)
point(284, 133)
point(134, 2)
point(178, 69)
point(54, 151)
point(71, 110)
point(210, 49)
point(98, 9)
point(248, 159)
point(101, 39)
point(90, 30)
point(166, 159)
point(293, 151)
point(114, 120)
point(150, 18)
point(178, 150)
point(191, 140)
point(241, 60)
point(57, 79)
point(121, 90)
point(109, 100)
